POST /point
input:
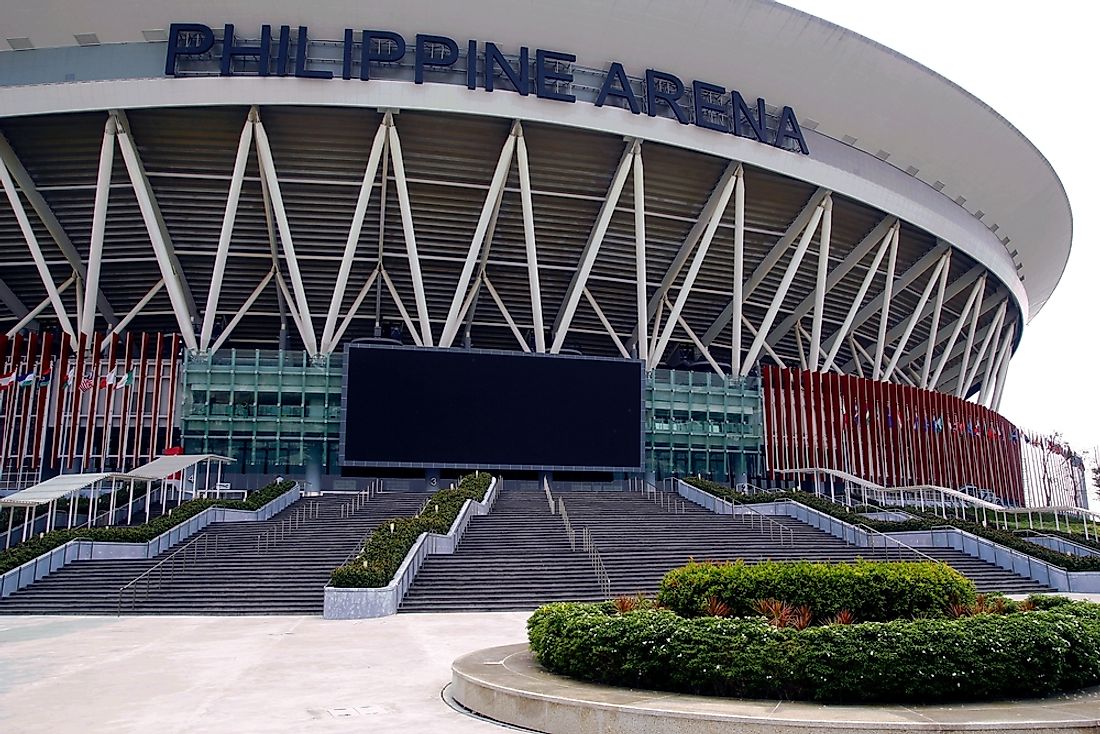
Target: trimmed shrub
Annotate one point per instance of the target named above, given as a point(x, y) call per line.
point(390, 542)
point(20, 554)
point(926, 521)
point(903, 661)
point(872, 591)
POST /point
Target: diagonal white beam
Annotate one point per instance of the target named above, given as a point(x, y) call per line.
point(135, 311)
point(687, 246)
point(849, 319)
point(799, 334)
point(408, 230)
point(244, 309)
point(476, 290)
point(492, 196)
point(994, 350)
point(978, 288)
point(769, 262)
point(994, 331)
point(401, 308)
point(994, 367)
point(954, 289)
point(781, 291)
point(290, 305)
point(834, 277)
point(857, 349)
point(695, 267)
point(915, 317)
point(99, 224)
point(178, 292)
point(12, 301)
point(504, 312)
point(49, 220)
point(33, 313)
point(592, 248)
point(640, 265)
point(767, 347)
point(656, 333)
point(606, 324)
point(36, 251)
point(921, 266)
point(887, 298)
point(953, 376)
point(738, 272)
point(244, 145)
point(969, 344)
point(328, 342)
point(819, 290)
point(1002, 373)
point(529, 238)
point(934, 328)
point(354, 308)
point(698, 344)
point(301, 300)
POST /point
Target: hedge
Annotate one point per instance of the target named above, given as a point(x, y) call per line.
point(925, 521)
point(386, 548)
point(983, 657)
point(20, 554)
point(872, 591)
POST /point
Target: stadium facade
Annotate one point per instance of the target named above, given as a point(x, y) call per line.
point(823, 253)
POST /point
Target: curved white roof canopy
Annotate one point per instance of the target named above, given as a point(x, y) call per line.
point(839, 83)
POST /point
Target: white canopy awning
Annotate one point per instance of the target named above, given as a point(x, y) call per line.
point(163, 467)
point(55, 488)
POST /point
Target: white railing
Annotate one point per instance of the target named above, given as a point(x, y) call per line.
point(777, 531)
point(549, 496)
point(342, 603)
point(1057, 543)
point(82, 549)
point(569, 532)
point(602, 577)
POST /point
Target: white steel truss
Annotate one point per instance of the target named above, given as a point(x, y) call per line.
point(673, 267)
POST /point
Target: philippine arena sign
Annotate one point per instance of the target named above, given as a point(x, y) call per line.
point(548, 75)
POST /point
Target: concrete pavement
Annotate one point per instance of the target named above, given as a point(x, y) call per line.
point(239, 674)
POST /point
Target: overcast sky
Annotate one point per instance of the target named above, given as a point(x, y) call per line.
point(1036, 64)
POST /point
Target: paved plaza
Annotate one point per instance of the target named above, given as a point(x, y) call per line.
point(239, 674)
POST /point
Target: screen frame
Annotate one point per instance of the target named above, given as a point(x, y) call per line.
point(344, 462)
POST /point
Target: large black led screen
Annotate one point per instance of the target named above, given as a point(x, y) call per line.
point(450, 408)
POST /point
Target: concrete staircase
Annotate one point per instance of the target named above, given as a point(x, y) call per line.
point(518, 557)
point(244, 576)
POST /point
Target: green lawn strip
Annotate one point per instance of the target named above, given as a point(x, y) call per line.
point(20, 554)
point(924, 521)
point(390, 542)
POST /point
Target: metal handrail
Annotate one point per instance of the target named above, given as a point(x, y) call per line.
point(168, 563)
point(570, 533)
point(271, 537)
point(902, 547)
point(1028, 533)
point(594, 557)
point(549, 497)
point(665, 498)
point(752, 513)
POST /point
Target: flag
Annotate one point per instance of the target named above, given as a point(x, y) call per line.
point(7, 380)
point(26, 379)
point(108, 380)
point(125, 381)
point(86, 382)
point(44, 379)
